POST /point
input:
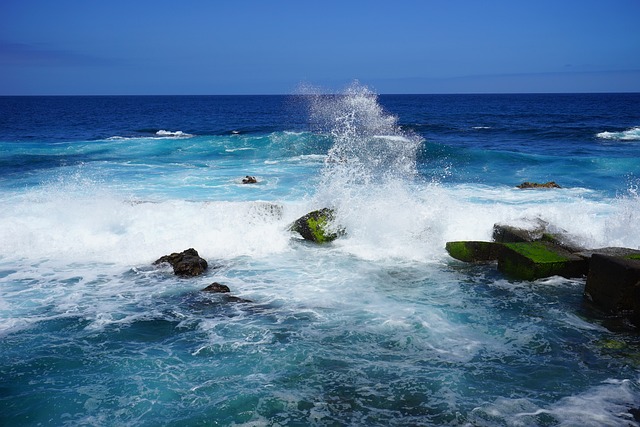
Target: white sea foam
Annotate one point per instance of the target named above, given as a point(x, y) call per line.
point(173, 134)
point(632, 134)
point(93, 224)
point(232, 150)
point(605, 405)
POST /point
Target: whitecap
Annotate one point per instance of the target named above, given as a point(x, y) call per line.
point(232, 150)
point(632, 134)
point(173, 134)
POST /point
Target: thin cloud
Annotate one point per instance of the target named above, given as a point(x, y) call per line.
point(23, 54)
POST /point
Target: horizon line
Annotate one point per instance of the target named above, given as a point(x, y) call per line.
point(326, 93)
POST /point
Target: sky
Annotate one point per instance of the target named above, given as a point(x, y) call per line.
point(216, 47)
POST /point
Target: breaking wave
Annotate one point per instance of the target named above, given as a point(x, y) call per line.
point(632, 134)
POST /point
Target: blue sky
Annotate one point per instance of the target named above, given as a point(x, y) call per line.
point(114, 47)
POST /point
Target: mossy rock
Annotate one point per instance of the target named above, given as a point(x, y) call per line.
point(473, 251)
point(535, 260)
point(317, 226)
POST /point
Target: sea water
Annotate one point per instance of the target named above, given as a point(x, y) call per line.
point(380, 327)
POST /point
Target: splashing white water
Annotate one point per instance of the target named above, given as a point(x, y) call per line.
point(632, 134)
point(368, 145)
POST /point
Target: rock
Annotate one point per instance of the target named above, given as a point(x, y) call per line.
point(612, 281)
point(533, 230)
point(564, 240)
point(474, 251)
point(535, 260)
point(217, 288)
point(266, 210)
point(526, 185)
point(317, 226)
point(249, 180)
point(610, 251)
point(635, 318)
point(185, 263)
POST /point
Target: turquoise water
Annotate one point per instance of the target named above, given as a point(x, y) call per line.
point(380, 327)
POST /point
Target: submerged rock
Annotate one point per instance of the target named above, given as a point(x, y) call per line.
point(526, 185)
point(266, 210)
point(186, 263)
point(317, 226)
point(216, 287)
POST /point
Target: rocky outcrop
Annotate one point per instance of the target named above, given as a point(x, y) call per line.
point(527, 185)
point(186, 263)
point(317, 226)
point(534, 251)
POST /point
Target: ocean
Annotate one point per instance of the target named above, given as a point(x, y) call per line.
point(379, 328)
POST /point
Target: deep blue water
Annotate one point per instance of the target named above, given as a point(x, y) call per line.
point(381, 327)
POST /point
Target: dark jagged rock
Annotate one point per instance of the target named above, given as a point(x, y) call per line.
point(535, 260)
point(249, 180)
point(474, 251)
point(527, 185)
point(186, 263)
point(611, 282)
point(317, 226)
point(217, 288)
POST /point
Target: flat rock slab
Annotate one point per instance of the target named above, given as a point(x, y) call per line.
point(535, 260)
point(611, 251)
point(474, 251)
point(612, 282)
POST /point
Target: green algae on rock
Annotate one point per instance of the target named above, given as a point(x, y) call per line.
point(535, 260)
point(474, 251)
point(317, 226)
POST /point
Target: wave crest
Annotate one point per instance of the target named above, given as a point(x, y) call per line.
point(368, 143)
point(173, 134)
point(632, 134)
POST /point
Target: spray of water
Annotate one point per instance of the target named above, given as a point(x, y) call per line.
point(368, 145)
point(369, 173)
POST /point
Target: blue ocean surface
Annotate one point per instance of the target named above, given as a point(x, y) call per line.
point(378, 328)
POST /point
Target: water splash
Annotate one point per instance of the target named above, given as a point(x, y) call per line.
point(368, 144)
